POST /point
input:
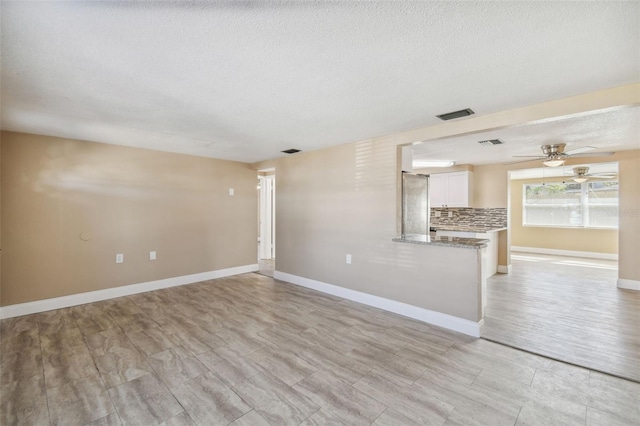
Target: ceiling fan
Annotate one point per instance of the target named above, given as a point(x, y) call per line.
point(581, 174)
point(555, 155)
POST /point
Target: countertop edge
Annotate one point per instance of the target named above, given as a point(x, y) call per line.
point(466, 243)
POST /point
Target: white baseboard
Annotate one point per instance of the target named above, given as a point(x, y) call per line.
point(587, 254)
point(111, 293)
point(504, 269)
point(628, 284)
point(450, 322)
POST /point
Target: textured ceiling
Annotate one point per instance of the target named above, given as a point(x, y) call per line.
point(615, 130)
point(245, 80)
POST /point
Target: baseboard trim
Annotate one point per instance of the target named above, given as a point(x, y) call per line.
point(504, 269)
point(587, 254)
point(450, 322)
point(628, 284)
point(20, 309)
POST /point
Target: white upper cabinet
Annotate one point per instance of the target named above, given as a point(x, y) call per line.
point(453, 189)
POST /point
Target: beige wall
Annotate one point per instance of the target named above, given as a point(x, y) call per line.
point(69, 206)
point(343, 200)
point(629, 221)
point(573, 239)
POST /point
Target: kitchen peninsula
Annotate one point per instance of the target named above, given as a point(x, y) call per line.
point(484, 233)
point(454, 276)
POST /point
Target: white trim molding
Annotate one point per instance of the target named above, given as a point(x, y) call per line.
point(450, 322)
point(504, 269)
point(628, 284)
point(20, 309)
point(587, 254)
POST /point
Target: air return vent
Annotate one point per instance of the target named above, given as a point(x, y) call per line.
point(291, 151)
point(455, 114)
point(491, 142)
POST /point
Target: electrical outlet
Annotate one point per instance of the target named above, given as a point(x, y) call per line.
point(119, 258)
point(450, 214)
point(438, 213)
point(231, 191)
point(348, 259)
point(152, 255)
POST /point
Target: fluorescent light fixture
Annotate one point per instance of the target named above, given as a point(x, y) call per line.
point(580, 179)
point(420, 164)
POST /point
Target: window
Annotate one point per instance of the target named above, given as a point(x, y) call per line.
point(571, 205)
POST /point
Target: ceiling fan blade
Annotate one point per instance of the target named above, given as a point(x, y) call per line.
point(529, 156)
point(525, 161)
point(593, 154)
point(580, 150)
point(602, 176)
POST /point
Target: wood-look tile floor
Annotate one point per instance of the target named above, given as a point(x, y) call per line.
point(569, 309)
point(250, 350)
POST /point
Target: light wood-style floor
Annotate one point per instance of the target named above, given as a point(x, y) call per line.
point(249, 350)
point(569, 309)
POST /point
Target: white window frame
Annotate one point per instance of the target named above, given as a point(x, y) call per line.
point(584, 204)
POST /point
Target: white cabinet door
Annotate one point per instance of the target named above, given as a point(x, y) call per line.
point(450, 189)
point(458, 189)
point(437, 190)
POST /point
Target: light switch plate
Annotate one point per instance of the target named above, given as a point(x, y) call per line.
point(152, 255)
point(349, 259)
point(438, 213)
point(231, 191)
point(120, 258)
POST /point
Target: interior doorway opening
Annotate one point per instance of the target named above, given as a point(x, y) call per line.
point(266, 221)
point(560, 298)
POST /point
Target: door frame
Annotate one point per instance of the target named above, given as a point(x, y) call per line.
point(267, 219)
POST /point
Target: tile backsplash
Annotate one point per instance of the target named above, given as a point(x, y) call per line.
point(494, 217)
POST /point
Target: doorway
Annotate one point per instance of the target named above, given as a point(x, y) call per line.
point(266, 222)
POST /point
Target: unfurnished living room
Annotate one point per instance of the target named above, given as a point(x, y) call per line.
point(320, 213)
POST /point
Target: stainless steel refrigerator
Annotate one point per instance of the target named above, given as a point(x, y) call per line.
point(415, 204)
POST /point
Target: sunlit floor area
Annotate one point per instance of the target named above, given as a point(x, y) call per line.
point(569, 309)
point(266, 267)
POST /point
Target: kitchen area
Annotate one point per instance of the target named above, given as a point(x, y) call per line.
point(437, 210)
point(451, 214)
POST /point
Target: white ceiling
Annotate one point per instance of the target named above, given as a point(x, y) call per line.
point(245, 80)
point(607, 131)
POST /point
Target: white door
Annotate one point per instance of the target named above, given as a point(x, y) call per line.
point(267, 217)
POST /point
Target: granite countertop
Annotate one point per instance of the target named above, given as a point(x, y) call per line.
point(432, 240)
point(478, 229)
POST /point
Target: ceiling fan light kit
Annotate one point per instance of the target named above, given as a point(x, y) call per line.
point(581, 174)
point(554, 161)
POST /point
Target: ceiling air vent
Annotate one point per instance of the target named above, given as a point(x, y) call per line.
point(491, 142)
point(291, 151)
point(455, 114)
